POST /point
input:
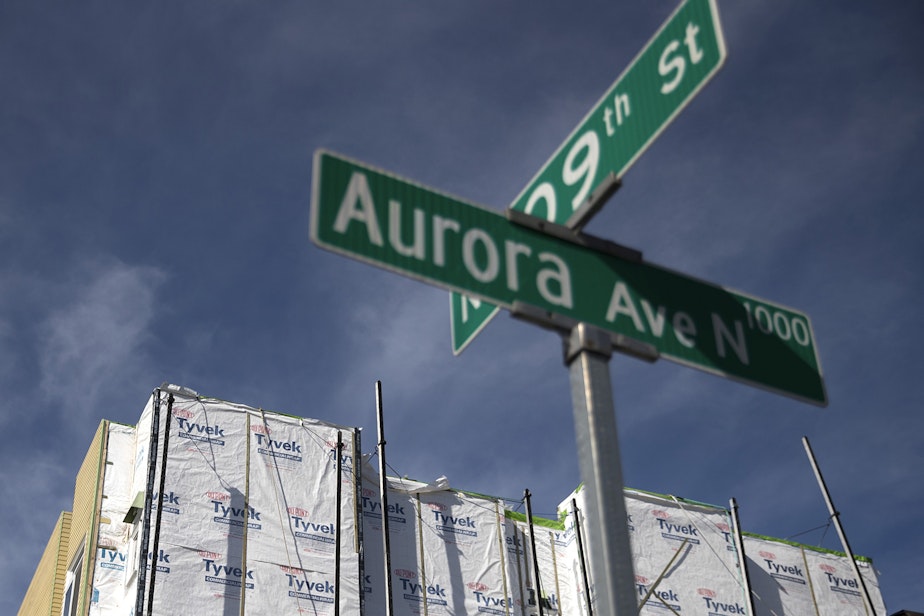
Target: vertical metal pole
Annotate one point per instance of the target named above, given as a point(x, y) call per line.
point(339, 522)
point(587, 356)
point(532, 542)
point(739, 545)
point(581, 557)
point(155, 550)
point(148, 501)
point(242, 607)
point(835, 515)
point(383, 491)
point(359, 540)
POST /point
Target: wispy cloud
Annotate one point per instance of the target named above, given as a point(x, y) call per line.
point(96, 338)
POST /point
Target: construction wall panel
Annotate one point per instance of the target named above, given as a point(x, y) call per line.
point(445, 549)
point(249, 509)
point(683, 555)
point(793, 579)
point(836, 587)
point(250, 522)
point(110, 593)
point(557, 558)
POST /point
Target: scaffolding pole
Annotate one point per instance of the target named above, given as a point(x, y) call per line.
point(742, 559)
point(383, 491)
point(836, 517)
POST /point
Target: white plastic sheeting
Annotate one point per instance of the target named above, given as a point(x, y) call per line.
point(109, 590)
point(445, 550)
point(683, 556)
point(249, 521)
point(248, 515)
point(559, 572)
point(788, 578)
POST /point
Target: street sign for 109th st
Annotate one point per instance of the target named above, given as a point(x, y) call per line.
point(396, 224)
point(663, 78)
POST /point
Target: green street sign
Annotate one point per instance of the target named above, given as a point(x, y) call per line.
point(401, 226)
point(467, 317)
point(671, 69)
point(662, 79)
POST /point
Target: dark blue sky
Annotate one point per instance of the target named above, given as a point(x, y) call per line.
point(155, 174)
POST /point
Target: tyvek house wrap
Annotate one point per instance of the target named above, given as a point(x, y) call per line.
point(683, 555)
point(112, 557)
point(788, 578)
point(445, 549)
point(249, 511)
point(248, 514)
point(555, 555)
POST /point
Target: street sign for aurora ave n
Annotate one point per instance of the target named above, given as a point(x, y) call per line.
point(401, 226)
point(662, 79)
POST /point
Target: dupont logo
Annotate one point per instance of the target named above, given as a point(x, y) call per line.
point(260, 429)
point(706, 592)
point(767, 555)
point(368, 493)
point(184, 413)
point(477, 586)
point(218, 496)
point(406, 574)
point(661, 515)
point(293, 570)
point(209, 555)
point(297, 511)
point(722, 526)
point(437, 506)
point(827, 568)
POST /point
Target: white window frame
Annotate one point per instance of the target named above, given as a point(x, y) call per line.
point(70, 603)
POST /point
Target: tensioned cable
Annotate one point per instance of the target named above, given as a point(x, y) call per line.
point(811, 530)
point(709, 545)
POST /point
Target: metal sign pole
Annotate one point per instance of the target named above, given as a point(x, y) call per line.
point(587, 356)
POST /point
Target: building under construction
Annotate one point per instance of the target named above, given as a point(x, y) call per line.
point(212, 507)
